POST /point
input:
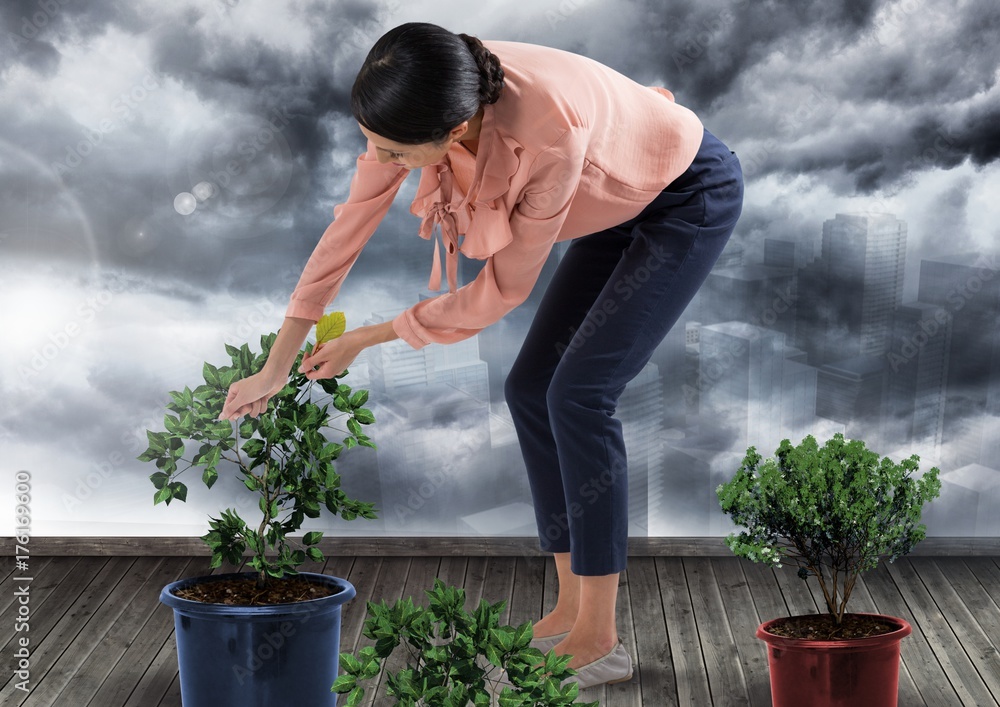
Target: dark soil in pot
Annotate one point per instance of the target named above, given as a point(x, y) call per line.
point(822, 627)
point(244, 591)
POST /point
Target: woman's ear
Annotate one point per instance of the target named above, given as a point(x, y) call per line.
point(459, 130)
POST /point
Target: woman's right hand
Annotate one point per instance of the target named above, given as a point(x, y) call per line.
point(250, 395)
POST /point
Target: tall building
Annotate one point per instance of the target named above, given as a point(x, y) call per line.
point(917, 375)
point(852, 392)
point(640, 410)
point(848, 295)
point(967, 288)
point(761, 295)
point(741, 370)
point(395, 367)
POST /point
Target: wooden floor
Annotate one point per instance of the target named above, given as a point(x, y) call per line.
point(100, 637)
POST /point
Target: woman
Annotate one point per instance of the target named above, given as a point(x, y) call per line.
point(521, 146)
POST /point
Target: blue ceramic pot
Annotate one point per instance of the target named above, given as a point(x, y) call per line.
point(258, 656)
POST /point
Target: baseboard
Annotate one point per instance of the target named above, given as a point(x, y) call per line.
point(438, 546)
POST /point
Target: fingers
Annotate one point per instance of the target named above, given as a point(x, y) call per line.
point(324, 371)
point(227, 407)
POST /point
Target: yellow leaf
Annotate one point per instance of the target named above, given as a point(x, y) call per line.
point(330, 326)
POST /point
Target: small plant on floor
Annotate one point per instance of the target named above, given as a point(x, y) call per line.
point(286, 458)
point(833, 511)
point(455, 658)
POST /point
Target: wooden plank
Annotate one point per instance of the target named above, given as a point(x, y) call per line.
point(917, 657)
point(951, 603)
point(364, 576)
point(625, 694)
point(796, 592)
point(988, 573)
point(498, 584)
point(160, 685)
point(411, 546)
point(44, 583)
point(143, 647)
point(36, 570)
point(475, 579)
point(67, 611)
point(529, 585)
point(74, 639)
point(743, 622)
point(682, 632)
point(654, 662)
point(718, 645)
point(136, 597)
point(451, 571)
point(940, 636)
point(763, 585)
point(950, 592)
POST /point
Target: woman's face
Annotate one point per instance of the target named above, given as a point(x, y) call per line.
point(413, 156)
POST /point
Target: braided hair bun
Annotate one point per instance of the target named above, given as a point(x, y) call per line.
point(420, 80)
point(490, 71)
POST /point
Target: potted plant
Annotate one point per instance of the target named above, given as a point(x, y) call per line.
point(833, 511)
point(255, 639)
point(455, 658)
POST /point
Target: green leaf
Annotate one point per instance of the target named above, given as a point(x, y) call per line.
point(159, 479)
point(211, 375)
point(359, 398)
point(163, 494)
point(344, 683)
point(253, 447)
point(364, 416)
point(312, 537)
point(209, 477)
point(354, 699)
point(330, 326)
point(179, 491)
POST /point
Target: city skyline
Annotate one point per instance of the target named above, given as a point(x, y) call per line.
point(166, 170)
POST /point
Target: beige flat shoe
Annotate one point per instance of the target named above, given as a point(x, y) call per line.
point(609, 669)
point(547, 643)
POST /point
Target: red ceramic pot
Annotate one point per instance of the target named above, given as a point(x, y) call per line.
point(859, 672)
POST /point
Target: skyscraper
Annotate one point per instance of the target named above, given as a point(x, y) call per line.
point(917, 374)
point(395, 366)
point(848, 295)
point(741, 369)
point(967, 288)
point(852, 392)
point(640, 410)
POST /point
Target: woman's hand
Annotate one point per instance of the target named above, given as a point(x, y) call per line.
point(333, 357)
point(249, 396)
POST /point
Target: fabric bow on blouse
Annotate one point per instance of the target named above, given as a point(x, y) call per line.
point(480, 215)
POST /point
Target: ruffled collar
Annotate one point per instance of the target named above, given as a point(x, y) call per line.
point(497, 162)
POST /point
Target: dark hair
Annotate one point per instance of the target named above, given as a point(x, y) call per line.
point(419, 81)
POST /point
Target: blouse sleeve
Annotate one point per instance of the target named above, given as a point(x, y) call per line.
point(509, 274)
point(373, 188)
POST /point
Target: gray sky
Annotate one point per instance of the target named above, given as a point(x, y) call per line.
point(109, 111)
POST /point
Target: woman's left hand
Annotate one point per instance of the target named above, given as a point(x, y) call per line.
point(331, 358)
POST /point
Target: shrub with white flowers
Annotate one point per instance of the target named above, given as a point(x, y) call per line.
point(833, 511)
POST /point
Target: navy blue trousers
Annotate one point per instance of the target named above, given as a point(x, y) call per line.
point(612, 300)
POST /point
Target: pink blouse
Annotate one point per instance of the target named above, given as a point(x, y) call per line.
point(571, 148)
